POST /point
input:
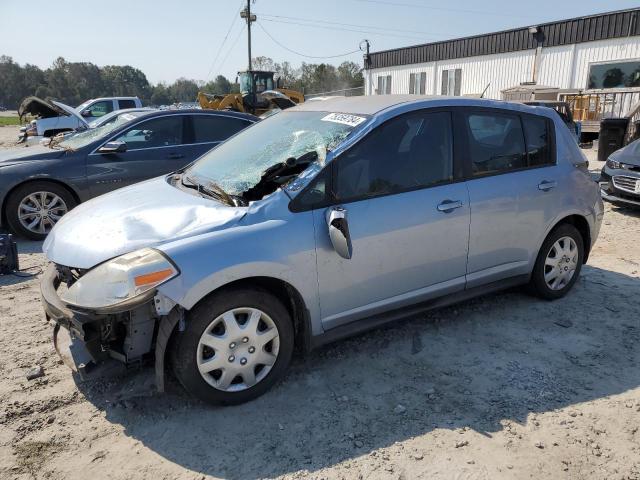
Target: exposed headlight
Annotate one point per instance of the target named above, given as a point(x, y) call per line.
point(119, 283)
point(613, 164)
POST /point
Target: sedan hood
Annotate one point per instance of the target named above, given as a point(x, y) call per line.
point(20, 154)
point(142, 215)
point(629, 154)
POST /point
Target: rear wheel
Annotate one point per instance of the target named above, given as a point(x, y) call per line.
point(559, 263)
point(34, 208)
point(237, 344)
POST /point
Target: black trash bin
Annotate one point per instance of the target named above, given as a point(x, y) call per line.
point(612, 131)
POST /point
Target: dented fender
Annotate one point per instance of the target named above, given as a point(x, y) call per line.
point(255, 247)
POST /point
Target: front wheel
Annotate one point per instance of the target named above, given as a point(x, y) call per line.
point(559, 263)
point(34, 208)
point(236, 345)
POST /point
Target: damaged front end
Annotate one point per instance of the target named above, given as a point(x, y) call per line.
point(92, 338)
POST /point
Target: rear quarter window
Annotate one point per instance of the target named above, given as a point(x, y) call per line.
point(537, 131)
point(216, 128)
point(126, 104)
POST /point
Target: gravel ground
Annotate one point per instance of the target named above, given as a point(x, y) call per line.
point(8, 135)
point(505, 386)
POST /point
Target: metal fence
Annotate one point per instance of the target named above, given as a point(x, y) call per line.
point(345, 92)
point(592, 106)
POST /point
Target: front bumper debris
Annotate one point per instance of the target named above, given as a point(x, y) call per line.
point(86, 340)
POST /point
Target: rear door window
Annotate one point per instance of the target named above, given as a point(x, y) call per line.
point(126, 104)
point(496, 143)
point(536, 131)
point(215, 128)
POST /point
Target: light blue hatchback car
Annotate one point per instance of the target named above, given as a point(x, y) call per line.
point(317, 223)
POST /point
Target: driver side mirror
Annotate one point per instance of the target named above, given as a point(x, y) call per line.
point(339, 231)
point(86, 113)
point(113, 147)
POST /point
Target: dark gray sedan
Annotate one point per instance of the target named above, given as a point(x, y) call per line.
point(39, 184)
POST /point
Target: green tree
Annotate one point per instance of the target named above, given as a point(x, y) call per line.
point(160, 95)
point(317, 78)
point(126, 81)
point(263, 63)
point(183, 90)
point(11, 88)
point(350, 75)
point(220, 86)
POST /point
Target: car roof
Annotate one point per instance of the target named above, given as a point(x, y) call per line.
point(201, 111)
point(374, 104)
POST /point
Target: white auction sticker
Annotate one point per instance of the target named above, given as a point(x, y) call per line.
point(344, 118)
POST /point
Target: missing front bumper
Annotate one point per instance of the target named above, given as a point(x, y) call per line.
point(87, 340)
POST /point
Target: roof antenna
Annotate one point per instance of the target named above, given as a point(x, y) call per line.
point(485, 90)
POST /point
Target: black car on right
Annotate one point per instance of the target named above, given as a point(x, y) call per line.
point(620, 176)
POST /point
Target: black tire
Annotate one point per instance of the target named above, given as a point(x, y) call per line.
point(14, 199)
point(184, 349)
point(538, 286)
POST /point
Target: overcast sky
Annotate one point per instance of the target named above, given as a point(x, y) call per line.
point(168, 39)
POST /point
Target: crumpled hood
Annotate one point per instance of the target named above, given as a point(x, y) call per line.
point(629, 154)
point(35, 152)
point(47, 109)
point(143, 215)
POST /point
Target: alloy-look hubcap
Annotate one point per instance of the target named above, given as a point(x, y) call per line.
point(38, 212)
point(238, 349)
point(561, 263)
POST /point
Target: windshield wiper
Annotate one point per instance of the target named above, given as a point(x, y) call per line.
point(211, 189)
point(277, 175)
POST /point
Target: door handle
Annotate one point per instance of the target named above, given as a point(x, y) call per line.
point(545, 185)
point(175, 156)
point(449, 205)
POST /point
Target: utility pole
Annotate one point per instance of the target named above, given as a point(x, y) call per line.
point(246, 14)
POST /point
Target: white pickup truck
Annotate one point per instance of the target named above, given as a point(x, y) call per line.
point(54, 117)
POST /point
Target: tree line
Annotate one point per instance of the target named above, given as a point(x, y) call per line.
point(74, 82)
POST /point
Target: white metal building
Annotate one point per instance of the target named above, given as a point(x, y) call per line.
point(587, 53)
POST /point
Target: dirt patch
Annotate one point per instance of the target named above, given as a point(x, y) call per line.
point(504, 386)
point(31, 456)
point(9, 136)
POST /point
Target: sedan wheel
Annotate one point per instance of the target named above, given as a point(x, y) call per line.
point(32, 209)
point(238, 349)
point(38, 212)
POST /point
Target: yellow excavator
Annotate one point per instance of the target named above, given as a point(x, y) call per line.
point(259, 94)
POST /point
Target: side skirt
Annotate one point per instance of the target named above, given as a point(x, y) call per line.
point(375, 321)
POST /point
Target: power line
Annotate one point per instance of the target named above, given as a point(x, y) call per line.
point(370, 32)
point(429, 7)
point(302, 54)
point(235, 42)
point(311, 20)
point(224, 41)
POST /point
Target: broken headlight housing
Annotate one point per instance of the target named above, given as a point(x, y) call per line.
point(122, 282)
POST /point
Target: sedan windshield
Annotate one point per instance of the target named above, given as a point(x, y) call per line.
point(239, 164)
point(82, 139)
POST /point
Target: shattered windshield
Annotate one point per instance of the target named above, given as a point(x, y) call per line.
point(82, 139)
point(238, 165)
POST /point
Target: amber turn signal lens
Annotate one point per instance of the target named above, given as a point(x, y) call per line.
point(153, 277)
